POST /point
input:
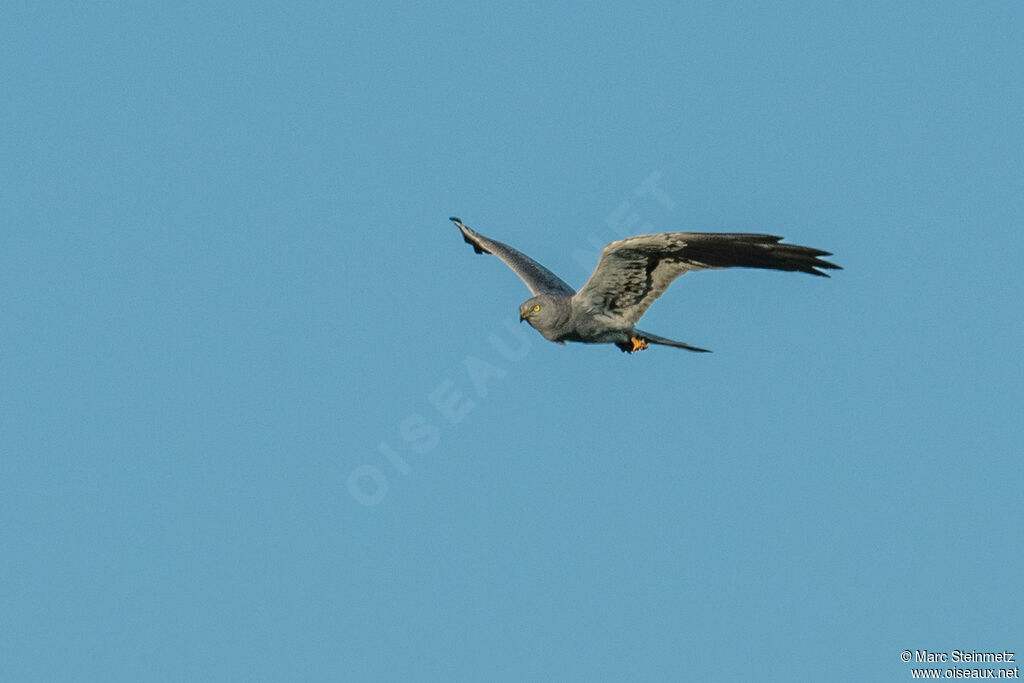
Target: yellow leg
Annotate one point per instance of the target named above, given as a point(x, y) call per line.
point(638, 344)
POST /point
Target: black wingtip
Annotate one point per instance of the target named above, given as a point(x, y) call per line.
point(823, 264)
point(466, 236)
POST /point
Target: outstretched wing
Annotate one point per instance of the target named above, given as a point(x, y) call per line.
point(635, 271)
point(539, 279)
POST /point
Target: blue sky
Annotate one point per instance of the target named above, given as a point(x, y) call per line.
point(267, 417)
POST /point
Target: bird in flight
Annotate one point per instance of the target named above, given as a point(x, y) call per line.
point(630, 275)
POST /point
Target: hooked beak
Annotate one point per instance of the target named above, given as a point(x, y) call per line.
point(521, 317)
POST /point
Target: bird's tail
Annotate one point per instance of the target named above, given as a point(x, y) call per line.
point(655, 339)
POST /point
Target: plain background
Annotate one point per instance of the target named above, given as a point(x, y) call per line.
point(266, 417)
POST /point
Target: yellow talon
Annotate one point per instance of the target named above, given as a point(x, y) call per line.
point(638, 344)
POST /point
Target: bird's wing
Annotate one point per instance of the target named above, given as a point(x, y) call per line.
point(539, 279)
point(635, 271)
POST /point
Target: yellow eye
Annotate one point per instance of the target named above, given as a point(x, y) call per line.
point(536, 307)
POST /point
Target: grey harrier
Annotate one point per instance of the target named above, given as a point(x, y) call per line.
point(630, 275)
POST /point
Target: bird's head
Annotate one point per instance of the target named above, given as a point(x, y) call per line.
point(544, 312)
point(531, 309)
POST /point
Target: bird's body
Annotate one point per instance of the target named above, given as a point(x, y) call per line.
point(630, 275)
